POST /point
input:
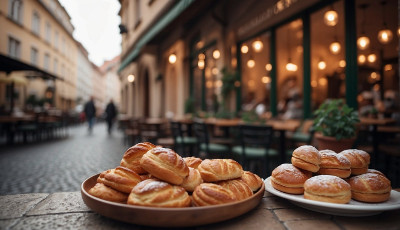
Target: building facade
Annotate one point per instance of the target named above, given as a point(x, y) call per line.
point(112, 81)
point(84, 89)
point(48, 65)
point(39, 34)
point(280, 58)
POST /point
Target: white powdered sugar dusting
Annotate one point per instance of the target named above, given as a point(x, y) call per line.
point(308, 148)
point(343, 159)
point(327, 152)
point(374, 178)
point(327, 181)
point(151, 185)
point(290, 169)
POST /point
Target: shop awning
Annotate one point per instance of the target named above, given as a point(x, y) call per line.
point(8, 65)
point(154, 30)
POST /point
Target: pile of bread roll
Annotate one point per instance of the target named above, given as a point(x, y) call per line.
point(154, 176)
point(331, 177)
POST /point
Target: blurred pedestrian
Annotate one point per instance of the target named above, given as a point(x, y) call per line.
point(90, 113)
point(111, 113)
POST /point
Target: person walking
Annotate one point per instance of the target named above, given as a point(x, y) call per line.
point(111, 113)
point(90, 113)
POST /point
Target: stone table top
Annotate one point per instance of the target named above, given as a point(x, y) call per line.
point(66, 210)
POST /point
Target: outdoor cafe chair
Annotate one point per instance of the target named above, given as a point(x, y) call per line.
point(131, 131)
point(205, 145)
point(255, 145)
point(182, 142)
point(304, 134)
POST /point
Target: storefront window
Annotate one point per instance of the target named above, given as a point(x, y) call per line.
point(256, 78)
point(377, 50)
point(327, 54)
point(289, 58)
point(206, 71)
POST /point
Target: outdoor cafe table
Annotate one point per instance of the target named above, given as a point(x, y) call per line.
point(66, 210)
point(282, 126)
point(9, 123)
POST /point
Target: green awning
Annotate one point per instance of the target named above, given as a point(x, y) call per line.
point(154, 30)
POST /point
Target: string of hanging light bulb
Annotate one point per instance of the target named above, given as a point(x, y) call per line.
point(384, 35)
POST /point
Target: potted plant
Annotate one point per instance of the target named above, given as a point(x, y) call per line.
point(335, 125)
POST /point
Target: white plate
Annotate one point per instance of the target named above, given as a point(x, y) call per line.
point(353, 208)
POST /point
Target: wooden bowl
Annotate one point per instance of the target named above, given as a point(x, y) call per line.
point(167, 217)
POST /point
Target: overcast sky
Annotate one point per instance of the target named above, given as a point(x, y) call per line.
point(96, 27)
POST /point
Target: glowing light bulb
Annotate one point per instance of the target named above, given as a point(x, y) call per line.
point(331, 18)
point(251, 63)
point(216, 54)
point(314, 83)
point(321, 65)
point(362, 58)
point(268, 67)
point(291, 67)
point(257, 45)
point(201, 64)
point(371, 58)
point(388, 67)
point(363, 42)
point(335, 47)
point(266, 79)
point(385, 36)
point(172, 58)
point(342, 63)
point(323, 81)
point(244, 49)
point(131, 78)
point(215, 71)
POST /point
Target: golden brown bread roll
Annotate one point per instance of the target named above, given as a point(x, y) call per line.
point(290, 179)
point(334, 164)
point(252, 180)
point(359, 160)
point(306, 157)
point(192, 180)
point(133, 155)
point(193, 162)
point(239, 188)
point(327, 188)
point(212, 194)
point(370, 187)
point(220, 169)
point(165, 164)
point(156, 193)
point(106, 193)
point(120, 178)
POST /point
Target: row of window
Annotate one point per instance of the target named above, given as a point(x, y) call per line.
point(16, 13)
point(14, 51)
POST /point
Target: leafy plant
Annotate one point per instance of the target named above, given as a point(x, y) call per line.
point(336, 119)
point(189, 105)
point(228, 82)
point(225, 114)
point(252, 117)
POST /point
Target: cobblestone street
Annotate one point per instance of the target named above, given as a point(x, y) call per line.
point(59, 165)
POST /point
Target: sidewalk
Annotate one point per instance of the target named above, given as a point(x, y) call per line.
point(67, 211)
point(59, 165)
